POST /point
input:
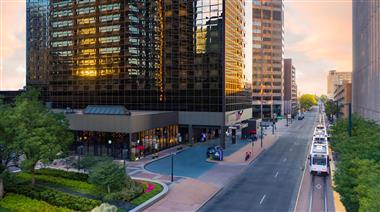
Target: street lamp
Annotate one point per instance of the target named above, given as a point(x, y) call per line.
point(349, 129)
point(80, 151)
point(125, 153)
point(261, 135)
point(172, 172)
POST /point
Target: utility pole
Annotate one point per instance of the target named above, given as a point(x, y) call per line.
point(349, 119)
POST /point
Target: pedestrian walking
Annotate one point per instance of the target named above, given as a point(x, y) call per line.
point(246, 156)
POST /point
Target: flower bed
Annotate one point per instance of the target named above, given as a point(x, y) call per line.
point(16, 202)
point(54, 197)
point(151, 189)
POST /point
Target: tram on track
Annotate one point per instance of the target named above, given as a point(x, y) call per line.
point(319, 161)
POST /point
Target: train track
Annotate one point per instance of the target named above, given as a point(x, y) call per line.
point(318, 194)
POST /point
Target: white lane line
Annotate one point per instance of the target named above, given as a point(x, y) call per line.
point(284, 160)
point(276, 175)
point(262, 199)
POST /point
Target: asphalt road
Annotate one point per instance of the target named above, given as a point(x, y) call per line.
point(271, 183)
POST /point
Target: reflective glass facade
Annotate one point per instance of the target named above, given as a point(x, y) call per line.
point(37, 35)
point(267, 55)
point(175, 55)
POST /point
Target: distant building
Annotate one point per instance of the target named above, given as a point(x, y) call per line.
point(343, 96)
point(267, 55)
point(366, 59)
point(290, 88)
point(334, 78)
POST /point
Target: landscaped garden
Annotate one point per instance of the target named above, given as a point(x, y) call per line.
point(59, 190)
point(31, 134)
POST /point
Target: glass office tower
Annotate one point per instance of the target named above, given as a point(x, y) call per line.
point(267, 55)
point(175, 55)
point(37, 51)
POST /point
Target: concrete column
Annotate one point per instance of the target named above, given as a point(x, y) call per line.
point(191, 134)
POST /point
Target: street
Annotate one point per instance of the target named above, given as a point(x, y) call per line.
point(272, 182)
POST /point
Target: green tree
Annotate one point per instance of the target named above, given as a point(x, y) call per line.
point(358, 171)
point(323, 98)
point(108, 176)
point(307, 101)
point(41, 133)
point(8, 150)
point(331, 108)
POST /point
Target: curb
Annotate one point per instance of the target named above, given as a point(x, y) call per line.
point(162, 157)
point(153, 200)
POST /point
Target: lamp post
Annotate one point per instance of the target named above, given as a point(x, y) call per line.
point(125, 153)
point(109, 143)
point(261, 135)
point(80, 151)
point(172, 172)
point(349, 119)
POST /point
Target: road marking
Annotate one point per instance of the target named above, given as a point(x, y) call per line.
point(318, 186)
point(276, 175)
point(284, 160)
point(262, 199)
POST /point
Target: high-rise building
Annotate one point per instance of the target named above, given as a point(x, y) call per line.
point(290, 88)
point(335, 78)
point(366, 59)
point(179, 56)
point(267, 55)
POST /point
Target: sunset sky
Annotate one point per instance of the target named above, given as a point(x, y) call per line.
point(317, 38)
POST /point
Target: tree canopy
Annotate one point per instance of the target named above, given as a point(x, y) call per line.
point(108, 175)
point(41, 133)
point(358, 170)
point(307, 101)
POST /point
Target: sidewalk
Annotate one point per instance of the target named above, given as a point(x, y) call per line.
point(190, 194)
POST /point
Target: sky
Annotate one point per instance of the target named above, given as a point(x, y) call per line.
point(318, 38)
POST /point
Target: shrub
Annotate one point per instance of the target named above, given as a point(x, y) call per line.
point(56, 198)
point(75, 185)
point(105, 207)
point(15, 202)
point(63, 174)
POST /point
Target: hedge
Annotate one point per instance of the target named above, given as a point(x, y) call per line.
point(54, 197)
point(16, 202)
point(63, 174)
point(75, 185)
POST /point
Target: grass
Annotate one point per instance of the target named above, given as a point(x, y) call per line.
point(75, 185)
point(15, 202)
point(147, 195)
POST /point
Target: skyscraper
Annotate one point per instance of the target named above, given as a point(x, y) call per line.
point(290, 87)
point(268, 45)
point(366, 59)
point(180, 56)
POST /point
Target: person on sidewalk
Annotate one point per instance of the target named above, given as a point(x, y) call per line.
point(247, 155)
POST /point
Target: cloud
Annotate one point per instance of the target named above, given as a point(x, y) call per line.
point(318, 37)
